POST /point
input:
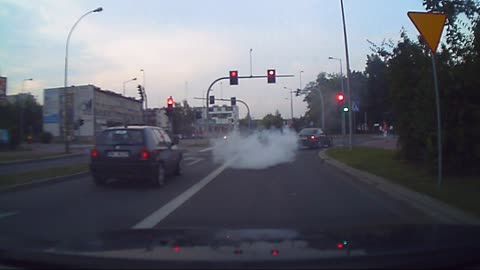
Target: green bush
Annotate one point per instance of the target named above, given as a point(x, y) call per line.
point(46, 137)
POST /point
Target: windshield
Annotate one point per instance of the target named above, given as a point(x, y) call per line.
point(260, 122)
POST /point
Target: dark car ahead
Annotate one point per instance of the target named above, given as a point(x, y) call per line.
point(313, 138)
point(135, 152)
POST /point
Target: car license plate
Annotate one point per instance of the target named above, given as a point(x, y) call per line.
point(118, 154)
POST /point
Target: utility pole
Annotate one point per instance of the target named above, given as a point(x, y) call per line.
point(251, 69)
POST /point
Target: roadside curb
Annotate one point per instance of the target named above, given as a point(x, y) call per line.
point(43, 182)
point(39, 159)
point(425, 203)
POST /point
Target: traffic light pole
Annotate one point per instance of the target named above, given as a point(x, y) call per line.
point(227, 78)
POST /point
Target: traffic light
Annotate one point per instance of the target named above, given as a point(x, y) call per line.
point(271, 76)
point(298, 92)
point(140, 92)
point(340, 98)
point(170, 104)
point(345, 109)
point(212, 99)
point(233, 101)
point(233, 77)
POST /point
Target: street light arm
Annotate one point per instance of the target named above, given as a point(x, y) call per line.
point(68, 42)
point(65, 83)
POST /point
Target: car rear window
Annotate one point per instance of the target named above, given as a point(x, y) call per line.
point(309, 131)
point(121, 136)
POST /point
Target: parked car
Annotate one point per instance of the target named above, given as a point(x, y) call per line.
point(135, 152)
point(313, 138)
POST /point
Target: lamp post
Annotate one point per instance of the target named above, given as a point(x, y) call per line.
point(291, 100)
point(125, 82)
point(301, 80)
point(66, 98)
point(349, 94)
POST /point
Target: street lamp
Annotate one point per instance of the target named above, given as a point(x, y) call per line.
point(343, 92)
point(291, 100)
point(347, 57)
point(23, 83)
point(301, 79)
point(65, 94)
point(125, 82)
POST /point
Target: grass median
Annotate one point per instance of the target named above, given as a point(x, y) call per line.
point(461, 192)
point(12, 156)
point(37, 175)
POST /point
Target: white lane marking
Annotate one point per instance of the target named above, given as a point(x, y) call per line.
point(157, 216)
point(7, 214)
point(206, 150)
point(195, 161)
point(189, 158)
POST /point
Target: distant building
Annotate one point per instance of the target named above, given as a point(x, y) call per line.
point(224, 115)
point(19, 97)
point(222, 118)
point(3, 89)
point(93, 110)
point(157, 117)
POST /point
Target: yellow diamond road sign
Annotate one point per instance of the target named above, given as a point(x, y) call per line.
point(430, 25)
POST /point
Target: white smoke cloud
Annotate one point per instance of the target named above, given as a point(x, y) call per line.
point(260, 150)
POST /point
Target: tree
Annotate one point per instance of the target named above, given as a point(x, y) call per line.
point(183, 118)
point(25, 105)
point(409, 77)
point(275, 121)
point(325, 88)
point(376, 98)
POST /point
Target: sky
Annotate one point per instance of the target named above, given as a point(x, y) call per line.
point(184, 45)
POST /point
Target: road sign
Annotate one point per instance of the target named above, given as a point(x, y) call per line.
point(430, 25)
point(355, 107)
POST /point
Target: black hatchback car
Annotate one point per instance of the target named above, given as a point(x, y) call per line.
point(135, 152)
point(313, 138)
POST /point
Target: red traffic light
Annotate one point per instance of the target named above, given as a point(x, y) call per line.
point(271, 76)
point(170, 101)
point(233, 77)
point(340, 97)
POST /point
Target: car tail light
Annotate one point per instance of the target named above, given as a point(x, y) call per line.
point(94, 153)
point(144, 153)
point(312, 138)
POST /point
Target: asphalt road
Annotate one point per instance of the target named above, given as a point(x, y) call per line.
point(304, 194)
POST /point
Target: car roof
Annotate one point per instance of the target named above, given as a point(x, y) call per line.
point(130, 127)
point(312, 129)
